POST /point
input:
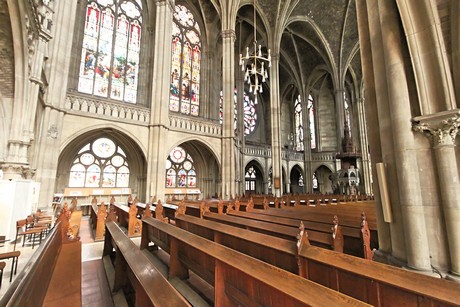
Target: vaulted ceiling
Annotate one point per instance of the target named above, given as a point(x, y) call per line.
point(315, 37)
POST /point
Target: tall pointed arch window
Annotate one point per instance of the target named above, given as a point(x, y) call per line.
point(347, 109)
point(298, 121)
point(110, 53)
point(180, 169)
point(250, 179)
point(249, 109)
point(101, 163)
point(311, 122)
point(185, 63)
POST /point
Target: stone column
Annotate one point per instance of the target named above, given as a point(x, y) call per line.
point(59, 62)
point(367, 28)
point(275, 111)
point(228, 132)
point(417, 249)
point(31, 27)
point(443, 128)
point(364, 147)
point(340, 116)
point(159, 120)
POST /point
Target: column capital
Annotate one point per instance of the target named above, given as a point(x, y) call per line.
point(442, 127)
point(229, 33)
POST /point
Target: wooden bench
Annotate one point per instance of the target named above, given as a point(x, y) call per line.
point(350, 241)
point(52, 276)
point(151, 288)
point(275, 251)
point(317, 238)
point(355, 243)
point(372, 282)
point(97, 220)
point(237, 278)
point(127, 217)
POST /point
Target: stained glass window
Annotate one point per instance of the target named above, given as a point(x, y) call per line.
point(311, 121)
point(298, 118)
point(250, 179)
point(347, 107)
point(184, 94)
point(180, 170)
point(110, 54)
point(250, 115)
point(100, 163)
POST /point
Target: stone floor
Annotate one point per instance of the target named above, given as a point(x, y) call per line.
point(95, 288)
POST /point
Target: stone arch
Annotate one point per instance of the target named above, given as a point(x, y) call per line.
point(134, 155)
point(324, 176)
point(207, 165)
point(260, 175)
point(297, 185)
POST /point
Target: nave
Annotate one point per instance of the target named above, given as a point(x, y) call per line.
point(202, 273)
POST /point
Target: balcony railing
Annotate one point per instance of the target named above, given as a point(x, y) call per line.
point(195, 125)
point(107, 109)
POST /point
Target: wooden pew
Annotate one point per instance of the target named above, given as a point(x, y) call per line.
point(320, 239)
point(127, 217)
point(97, 219)
point(52, 276)
point(275, 251)
point(353, 228)
point(372, 282)
point(237, 278)
point(132, 265)
point(351, 236)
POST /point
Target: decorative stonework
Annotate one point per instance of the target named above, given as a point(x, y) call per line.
point(228, 34)
point(52, 132)
point(442, 127)
point(17, 171)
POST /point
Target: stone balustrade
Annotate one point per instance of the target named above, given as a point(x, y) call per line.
point(107, 109)
point(195, 125)
point(323, 156)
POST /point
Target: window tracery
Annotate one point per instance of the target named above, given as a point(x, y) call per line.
point(109, 65)
point(180, 169)
point(100, 163)
point(184, 94)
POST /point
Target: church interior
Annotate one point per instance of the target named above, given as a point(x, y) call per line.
point(230, 152)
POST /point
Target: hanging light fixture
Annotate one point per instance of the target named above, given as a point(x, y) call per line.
point(253, 64)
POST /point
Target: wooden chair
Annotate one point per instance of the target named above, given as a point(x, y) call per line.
point(2, 266)
point(14, 264)
point(23, 230)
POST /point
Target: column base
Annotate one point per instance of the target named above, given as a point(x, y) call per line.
point(424, 272)
point(453, 277)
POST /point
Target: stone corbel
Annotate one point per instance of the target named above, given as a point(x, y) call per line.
point(442, 127)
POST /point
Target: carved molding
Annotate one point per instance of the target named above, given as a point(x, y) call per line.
point(228, 34)
point(52, 132)
point(442, 127)
point(17, 171)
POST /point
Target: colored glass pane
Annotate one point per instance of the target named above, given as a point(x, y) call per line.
point(110, 50)
point(311, 120)
point(180, 171)
point(298, 118)
point(100, 159)
point(185, 63)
